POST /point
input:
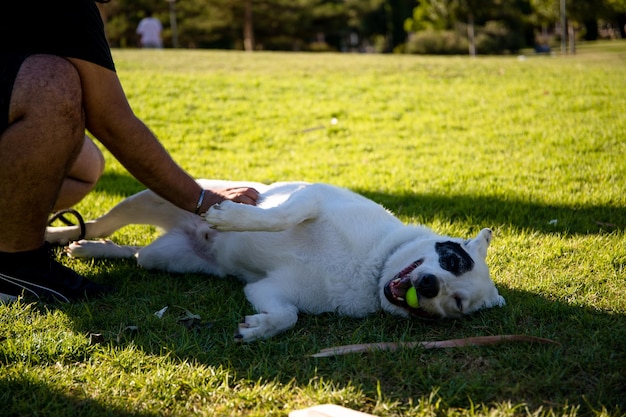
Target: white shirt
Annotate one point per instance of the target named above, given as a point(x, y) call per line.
point(150, 30)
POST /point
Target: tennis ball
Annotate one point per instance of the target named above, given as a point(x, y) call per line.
point(411, 297)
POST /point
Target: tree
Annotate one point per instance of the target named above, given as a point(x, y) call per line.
point(586, 13)
point(250, 24)
point(497, 25)
point(613, 12)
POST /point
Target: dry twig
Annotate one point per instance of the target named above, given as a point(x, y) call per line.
point(469, 341)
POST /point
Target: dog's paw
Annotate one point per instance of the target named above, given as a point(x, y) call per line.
point(249, 330)
point(217, 216)
point(265, 325)
point(99, 249)
point(230, 216)
point(236, 217)
point(85, 248)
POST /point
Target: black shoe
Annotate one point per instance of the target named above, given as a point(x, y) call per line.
point(38, 276)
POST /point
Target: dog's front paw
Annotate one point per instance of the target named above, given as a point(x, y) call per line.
point(264, 325)
point(227, 216)
point(249, 330)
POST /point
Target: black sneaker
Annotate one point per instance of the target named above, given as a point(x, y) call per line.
point(40, 277)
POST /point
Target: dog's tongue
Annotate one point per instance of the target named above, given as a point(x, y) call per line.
point(402, 282)
point(397, 287)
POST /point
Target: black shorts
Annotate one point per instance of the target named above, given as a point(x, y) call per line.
point(9, 67)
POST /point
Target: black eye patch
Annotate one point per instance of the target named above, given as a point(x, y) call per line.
point(453, 258)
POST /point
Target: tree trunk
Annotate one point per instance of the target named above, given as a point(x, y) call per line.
point(563, 27)
point(173, 23)
point(621, 24)
point(470, 34)
point(248, 31)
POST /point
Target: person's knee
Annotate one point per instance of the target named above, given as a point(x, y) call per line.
point(48, 86)
point(82, 177)
point(99, 164)
point(89, 165)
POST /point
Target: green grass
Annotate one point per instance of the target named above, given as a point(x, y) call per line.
point(534, 149)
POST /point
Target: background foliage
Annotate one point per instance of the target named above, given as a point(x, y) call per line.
point(361, 25)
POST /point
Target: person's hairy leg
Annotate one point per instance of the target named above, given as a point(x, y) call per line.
point(82, 177)
point(37, 150)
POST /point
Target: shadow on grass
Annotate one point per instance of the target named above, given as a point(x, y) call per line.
point(22, 395)
point(582, 371)
point(491, 211)
point(585, 370)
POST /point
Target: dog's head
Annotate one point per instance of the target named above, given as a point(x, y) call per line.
point(450, 276)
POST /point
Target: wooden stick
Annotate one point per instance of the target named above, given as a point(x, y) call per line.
point(393, 346)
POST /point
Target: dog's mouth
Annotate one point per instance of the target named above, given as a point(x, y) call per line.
point(395, 291)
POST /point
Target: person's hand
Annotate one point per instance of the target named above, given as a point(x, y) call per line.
point(244, 195)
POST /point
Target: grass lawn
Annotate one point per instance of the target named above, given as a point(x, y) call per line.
point(534, 148)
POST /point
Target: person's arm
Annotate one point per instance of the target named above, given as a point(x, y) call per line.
point(111, 120)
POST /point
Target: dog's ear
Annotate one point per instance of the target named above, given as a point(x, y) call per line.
point(480, 243)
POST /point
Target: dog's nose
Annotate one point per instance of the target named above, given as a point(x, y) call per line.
point(428, 286)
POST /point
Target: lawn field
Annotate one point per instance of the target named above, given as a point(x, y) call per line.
point(533, 147)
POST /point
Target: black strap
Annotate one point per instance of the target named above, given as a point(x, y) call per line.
point(60, 215)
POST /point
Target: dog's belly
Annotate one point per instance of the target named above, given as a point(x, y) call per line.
point(314, 266)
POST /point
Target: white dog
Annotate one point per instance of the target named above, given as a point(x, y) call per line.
point(310, 248)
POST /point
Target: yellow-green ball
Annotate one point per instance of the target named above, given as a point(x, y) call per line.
point(411, 297)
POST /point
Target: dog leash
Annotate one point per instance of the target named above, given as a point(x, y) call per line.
point(60, 215)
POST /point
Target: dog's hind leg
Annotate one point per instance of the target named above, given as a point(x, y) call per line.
point(178, 251)
point(100, 249)
point(142, 208)
point(181, 251)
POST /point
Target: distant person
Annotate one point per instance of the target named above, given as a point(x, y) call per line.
point(149, 29)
